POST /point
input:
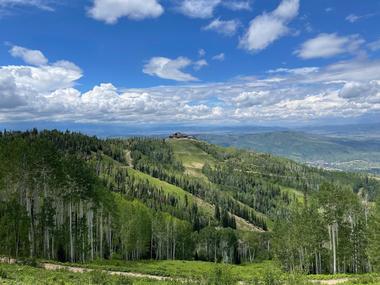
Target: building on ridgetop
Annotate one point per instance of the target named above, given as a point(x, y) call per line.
point(180, 135)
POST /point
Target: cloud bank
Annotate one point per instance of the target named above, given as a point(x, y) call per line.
point(344, 89)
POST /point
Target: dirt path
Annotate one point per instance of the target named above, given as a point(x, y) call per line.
point(77, 269)
point(52, 266)
point(332, 281)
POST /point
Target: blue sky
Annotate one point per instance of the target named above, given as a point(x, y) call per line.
point(189, 61)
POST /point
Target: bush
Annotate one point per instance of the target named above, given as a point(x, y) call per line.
point(270, 277)
point(296, 279)
point(99, 277)
point(3, 274)
point(368, 279)
point(28, 262)
point(122, 280)
point(221, 276)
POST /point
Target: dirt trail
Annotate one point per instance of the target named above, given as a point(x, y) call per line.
point(76, 269)
point(52, 266)
point(332, 281)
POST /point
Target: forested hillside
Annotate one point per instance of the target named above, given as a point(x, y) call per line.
point(358, 152)
point(70, 197)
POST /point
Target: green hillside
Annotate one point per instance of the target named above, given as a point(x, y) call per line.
point(70, 197)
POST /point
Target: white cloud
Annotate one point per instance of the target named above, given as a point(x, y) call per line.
point(110, 11)
point(33, 57)
point(361, 91)
point(198, 8)
point(352, 18)
point(295, 71)
point(227, 28)
point(343, 89)
point(204, 9)
point(268, 27)
point(374, 46)
point(41, 4)
point(287, 10)
point(219, 57)
point(169, 68)
point(329, 45)
point(252, 98)
point(201, 52)
point(199, 64)
point(9, 97)
point(45, 78)
point(237, 5)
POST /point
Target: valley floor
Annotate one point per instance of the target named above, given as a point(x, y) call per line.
point(166, 273)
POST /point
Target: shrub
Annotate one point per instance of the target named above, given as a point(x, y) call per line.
point(122, 280)
point(28, 262)
point(221, 275)
point(3, 274)
point(368, 279)
point(99, 277)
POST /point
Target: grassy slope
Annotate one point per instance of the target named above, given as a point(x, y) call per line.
point(204, 207)
point(193, 158)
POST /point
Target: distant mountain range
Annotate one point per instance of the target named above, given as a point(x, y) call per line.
point(340, 148)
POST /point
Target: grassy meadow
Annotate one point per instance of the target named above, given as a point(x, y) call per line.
point(172, 273)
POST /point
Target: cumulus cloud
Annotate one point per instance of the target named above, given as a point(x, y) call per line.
point(204, 9)
point(361, 91)
point(268, 27)
point(252, 98)
point(329, 45)
point(110, 11)
point(9, 97)
point(33, 57)
point(199, 64)
point(227, 28)
point(219, 57)
point(167, 68)
point(48, 92)
point(198, 8)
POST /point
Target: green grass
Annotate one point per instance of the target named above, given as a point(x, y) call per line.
point(293, 193)
point(180, 269)
point(192, 157)
point(180, 272)
point(18, 274)
point(206, 208)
